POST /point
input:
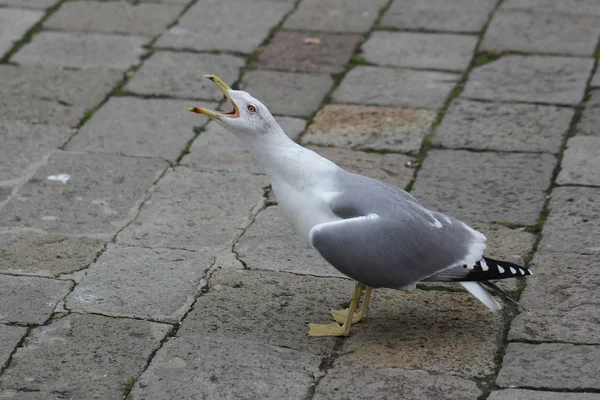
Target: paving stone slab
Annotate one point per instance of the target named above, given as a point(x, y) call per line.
point(287, 93)
point(373, 128)
point(595, 80)
point(195, 210)
point(523, 31)
point(563, 7)
point(82, 50)
point(562, 300)
point(396, 87)
point(267, 307)
point(14, 23)
point(35, 4)
point(50, 96)
point(581, 162)
point(292, 126)
point(207, 25)
point(99, 196)
point(97, 356)
point(550, 366)
point(335, 15)
point(140, 127)
point(435, 15)
point(343, 382)
point(168, 73)
point(504, 127)
point(214, 367)
point(544, 79)
point(17, 395)
point(24, 146)
point(513, 245)
point(522, 394)
point(28, 299)
point(289, 51)
point(46, 255)
point(142, 283)
point(10, 336)
point(589, 123)
point(499, 187)
point(146, 19)
point(573, 224)
point(420, 50)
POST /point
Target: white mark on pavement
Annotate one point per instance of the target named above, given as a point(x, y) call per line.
point(64, 178)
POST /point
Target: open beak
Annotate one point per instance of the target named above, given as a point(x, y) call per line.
point(235, 113)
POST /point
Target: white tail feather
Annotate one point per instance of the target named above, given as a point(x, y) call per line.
point(482, 295)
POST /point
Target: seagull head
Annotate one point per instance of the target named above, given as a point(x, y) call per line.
point(248, 117)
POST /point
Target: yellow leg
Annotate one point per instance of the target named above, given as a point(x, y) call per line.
point(334, 329)
point(341, 315)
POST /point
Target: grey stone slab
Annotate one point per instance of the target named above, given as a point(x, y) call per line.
point(562, 7)
point(504, 127)
point(523, 394)
point(195, 210)
point(573, 224)
point(287, 93)
point(562, 300)
point(51, 96)
point(25, 146)
point(29, 299)
point(550, 366)
point(142, 283)
point(82, 50)
point(18, 395)
point(140, 127)
point(523, 31)
point(373, 128)
point(5, 193)
point(292, 127)
point(507, 244)
point(180, 74)
point(343, 382)
point(435, 15)
point(213, 367)
point(499, 187)
point(267, 307)
point(46, 255)
point(335, 15)
point(595, 80)
point(35, 4)
point(99, 197)
point(10, 336)
point(14, 23)
point(589, 123)
point(396, 87)
point(207, 25)
point(581, 162)
point(84, 356)
point(146, 19)
point(421, 50)
point(544, 79)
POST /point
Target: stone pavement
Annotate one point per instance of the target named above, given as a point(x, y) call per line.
point(142, 256)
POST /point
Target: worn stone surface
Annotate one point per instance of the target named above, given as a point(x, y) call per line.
point(448, 15)
point(46, 255)
point(374, 128)
point(114, 17)
point(288, 51)
point(562, 300)
point(344, 382)
point(97, 355)
point(140, 127)
point(82, 50)
point(550, 366)
point(335, 15)
point(51, 96)
point(581, 162)
point(29, 299)
point(267, 307)
point(422, 50)
point(209, 367)
point(10, 336)
point(544, 79)
point(205, 209)
point(24, 146)
point(562, 7)
point(589, 123)
point(36, 4)
point(499, 187)
point(595, 80)
point(5, 193)
point(506, 244)
point(573, 224)
point(18, 395)
point(292, 127)
point(207, 25)
point(522, 394)
point(395, 87)
point(14, 23)
point(287, 93)
point(504, 127)
point(98, 198)
point(180, 74)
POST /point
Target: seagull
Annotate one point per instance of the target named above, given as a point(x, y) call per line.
point(375, 233)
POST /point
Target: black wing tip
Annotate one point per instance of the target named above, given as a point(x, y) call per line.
point(490, 269)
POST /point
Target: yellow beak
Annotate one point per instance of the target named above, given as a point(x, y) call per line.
point(216, 114)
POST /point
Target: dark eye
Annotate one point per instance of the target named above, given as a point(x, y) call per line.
point(251, 108)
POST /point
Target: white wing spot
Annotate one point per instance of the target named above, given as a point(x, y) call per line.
point(521, 271)
point(500, 269)
point(512, 270)
point(484, 265)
